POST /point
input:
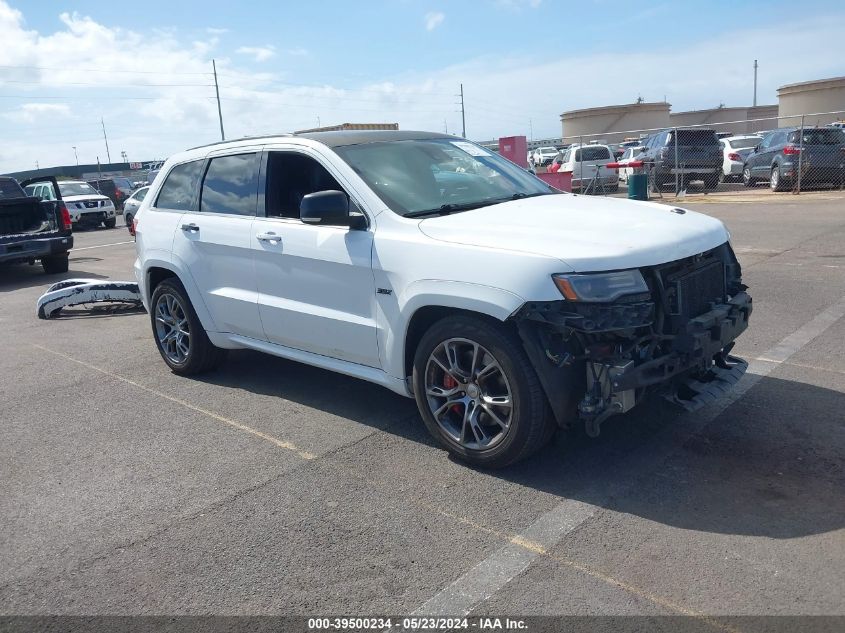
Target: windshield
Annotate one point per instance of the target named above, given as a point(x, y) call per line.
point(414, 177)
point(76, 189)
point(743, 143)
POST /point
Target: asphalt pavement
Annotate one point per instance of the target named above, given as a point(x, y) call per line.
point(270, 487)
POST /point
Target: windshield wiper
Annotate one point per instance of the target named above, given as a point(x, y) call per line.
point(446, 209)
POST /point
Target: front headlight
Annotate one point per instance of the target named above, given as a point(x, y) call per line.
point(600, 286)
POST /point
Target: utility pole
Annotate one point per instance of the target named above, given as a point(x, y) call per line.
point(530, 129)
point(106, 138)
point(76, 156)
point(755, 82)
point(36, 166)
point(217, 92)
point(463, 115)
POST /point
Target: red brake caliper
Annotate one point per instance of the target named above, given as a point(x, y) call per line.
point(451, 383)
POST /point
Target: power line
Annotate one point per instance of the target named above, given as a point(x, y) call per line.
point(103, 70)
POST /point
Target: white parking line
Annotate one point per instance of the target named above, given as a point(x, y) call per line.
point(85, 248)
point(498, 569)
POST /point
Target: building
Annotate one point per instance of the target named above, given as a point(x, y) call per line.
point(613, 124)
point(133, 171)
point(740, 120)
point(808, 97)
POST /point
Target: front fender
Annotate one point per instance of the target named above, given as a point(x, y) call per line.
point(395, 314)
point(187, 282)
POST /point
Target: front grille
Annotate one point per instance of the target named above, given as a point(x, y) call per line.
point(91, 204)
point(691, 292)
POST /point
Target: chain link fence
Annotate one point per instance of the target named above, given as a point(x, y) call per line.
point(785, 154)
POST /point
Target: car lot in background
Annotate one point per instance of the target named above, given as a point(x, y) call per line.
point(544, 156)
point(87, 207)
point(130, 207)
point(696, 155)
point(820, 152)
point(117, 189)
point(735, 149)
point(588, 165)
point(631, 153)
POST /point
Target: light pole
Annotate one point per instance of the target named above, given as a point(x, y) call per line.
point(76, 156)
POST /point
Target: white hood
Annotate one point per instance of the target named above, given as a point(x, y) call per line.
point(585, 232)
point(83, 197)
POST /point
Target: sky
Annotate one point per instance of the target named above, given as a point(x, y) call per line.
point(144, 69)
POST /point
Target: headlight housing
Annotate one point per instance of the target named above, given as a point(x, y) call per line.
point(600, 287)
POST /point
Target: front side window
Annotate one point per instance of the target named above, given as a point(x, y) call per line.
point(230, 185)
point(420, 177)
point(178, 190)
point(291, 177)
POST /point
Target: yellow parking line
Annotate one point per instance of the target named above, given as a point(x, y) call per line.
point(216, 416)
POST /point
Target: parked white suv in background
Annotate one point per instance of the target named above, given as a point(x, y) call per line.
point(444, 272)
point(85, 205)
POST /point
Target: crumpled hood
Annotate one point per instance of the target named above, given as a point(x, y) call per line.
point(586, 233)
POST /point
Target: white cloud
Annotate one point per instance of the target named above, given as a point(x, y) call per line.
point(167, 103)
point(258, 53)
point(298, 52)
point(216, 31)
point(433, 19)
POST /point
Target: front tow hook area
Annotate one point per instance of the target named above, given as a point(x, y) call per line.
point(694, 393)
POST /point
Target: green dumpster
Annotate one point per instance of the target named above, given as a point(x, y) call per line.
point(638, 187)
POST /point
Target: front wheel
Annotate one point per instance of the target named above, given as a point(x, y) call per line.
point(179, 335)
point(110, 223)
point(477, 392)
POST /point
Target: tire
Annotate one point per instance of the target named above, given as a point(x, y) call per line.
point(747, 180)
point(502, 434)
point(612, 188)
point(170, 312)
point(55, 264)
point(110, 223)
point(711, 182)
point(775, 180)
point(128, 219)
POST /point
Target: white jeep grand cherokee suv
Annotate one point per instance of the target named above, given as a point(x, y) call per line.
point(431, 266)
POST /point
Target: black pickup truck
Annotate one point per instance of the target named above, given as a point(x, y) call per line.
point(32, 228)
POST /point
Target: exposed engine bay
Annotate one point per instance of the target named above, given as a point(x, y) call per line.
point(674, 339)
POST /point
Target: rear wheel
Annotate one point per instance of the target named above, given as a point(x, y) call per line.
point(179, 335)
point(775, 181)
point(477, 392)
point(711, 182)
point(747, 180)
point(55, 264)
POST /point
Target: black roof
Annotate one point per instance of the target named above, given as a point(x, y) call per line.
point(357, 137)
point(340, 138)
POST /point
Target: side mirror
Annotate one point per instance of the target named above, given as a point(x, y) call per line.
point(325, 207)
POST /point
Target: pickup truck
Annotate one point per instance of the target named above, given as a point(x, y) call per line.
point(431, 266)
point(34, 229)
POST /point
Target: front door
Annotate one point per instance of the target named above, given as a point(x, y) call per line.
point(212, 240)
point(316, 291)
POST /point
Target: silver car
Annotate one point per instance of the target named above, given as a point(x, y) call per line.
point(130, 207)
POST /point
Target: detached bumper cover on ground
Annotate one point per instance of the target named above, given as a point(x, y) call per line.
point(73, 292)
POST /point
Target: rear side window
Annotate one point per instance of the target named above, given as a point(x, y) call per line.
point(830, 136)
point(11, 189)
point(178, 190)
point(694, 137)
point(230, 185)
point(591, 153)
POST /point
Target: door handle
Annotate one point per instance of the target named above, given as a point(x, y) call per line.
point(192, 228)
point(269, 237)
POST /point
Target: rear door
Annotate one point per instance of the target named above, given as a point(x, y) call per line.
point(212, 239)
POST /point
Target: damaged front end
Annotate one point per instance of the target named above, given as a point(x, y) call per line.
point(617, 337)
